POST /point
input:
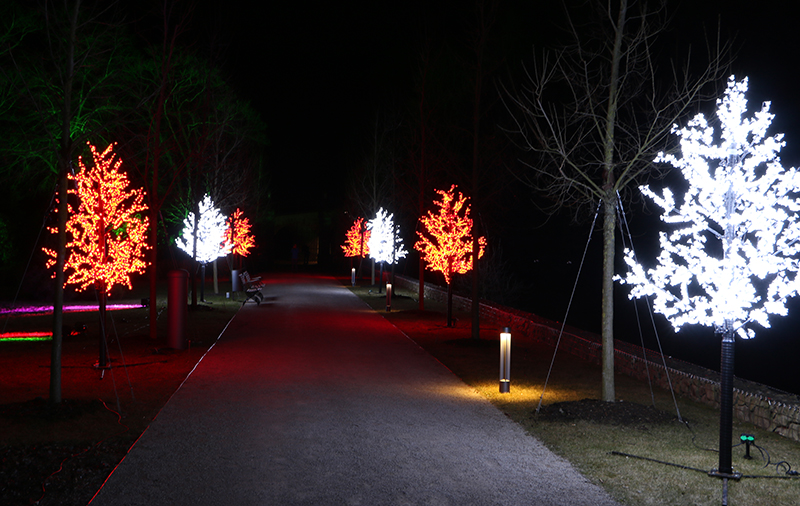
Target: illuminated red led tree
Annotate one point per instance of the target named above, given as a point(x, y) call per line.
point(108, 230)
point(446, 242)
point(106, 233)
point(356, 242)
point(238, 234)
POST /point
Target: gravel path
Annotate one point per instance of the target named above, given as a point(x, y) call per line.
point(312, 398)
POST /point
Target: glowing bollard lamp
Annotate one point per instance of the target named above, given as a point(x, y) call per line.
point(353, 276)
point(388, 297)
point(505, 360)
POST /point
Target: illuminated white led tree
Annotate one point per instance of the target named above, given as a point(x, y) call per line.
point(385, 244)
point(210, 242)
point(730, 257)
point(211, 228)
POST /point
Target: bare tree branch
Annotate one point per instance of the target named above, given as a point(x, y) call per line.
point(592, 117)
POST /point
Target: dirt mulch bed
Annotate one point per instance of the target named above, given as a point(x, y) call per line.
point(610, 413)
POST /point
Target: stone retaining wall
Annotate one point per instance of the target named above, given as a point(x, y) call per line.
point(754, 403)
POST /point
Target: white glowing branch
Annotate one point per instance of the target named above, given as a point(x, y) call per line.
point(211, 227)
point(385, 244)
point(730, 256)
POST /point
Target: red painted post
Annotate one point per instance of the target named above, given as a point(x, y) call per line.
point(178, 309)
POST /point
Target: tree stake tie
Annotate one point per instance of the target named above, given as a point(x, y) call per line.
point(569, 305)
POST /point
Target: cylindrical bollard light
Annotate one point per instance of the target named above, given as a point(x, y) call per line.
point(236, 281)
point(353, 276)
point(178, 308)
point(388, 297)
point(505, 360)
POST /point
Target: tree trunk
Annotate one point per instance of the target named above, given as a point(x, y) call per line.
point(609, 227)
point(476, 123)
point(610, 210)
point(58, 302)
point(476, 314)
point(194, 254)
point(422, 181)
point(153, 274)
point(64, 155)
point(475, 308)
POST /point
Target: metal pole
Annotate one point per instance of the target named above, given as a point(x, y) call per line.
point(449, 304)
point(102, 362)
point(203, 282)
point(726, 401)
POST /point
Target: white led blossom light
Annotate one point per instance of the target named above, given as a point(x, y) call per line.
point(211, 227)
point(385, 244)
point(730, 257)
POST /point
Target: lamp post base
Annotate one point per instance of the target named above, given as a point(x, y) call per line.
point(715, 473)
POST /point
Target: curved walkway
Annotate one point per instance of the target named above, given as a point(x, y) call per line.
point(313, 398)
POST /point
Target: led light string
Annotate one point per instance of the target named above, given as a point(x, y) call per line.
point(124, 365)
point(93, 446)
point(788, 475)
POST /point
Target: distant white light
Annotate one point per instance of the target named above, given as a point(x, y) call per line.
point(211, 227)
point(385, 243)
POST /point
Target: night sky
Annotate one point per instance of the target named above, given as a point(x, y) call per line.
point(319, 71)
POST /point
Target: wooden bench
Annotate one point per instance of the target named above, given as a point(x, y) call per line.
point(252, 288)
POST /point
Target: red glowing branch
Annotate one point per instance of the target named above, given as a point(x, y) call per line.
point(356, 242)
point(238, 234)
point(106, 234)
point(446, 245)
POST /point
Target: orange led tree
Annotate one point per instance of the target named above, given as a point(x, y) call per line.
point(356, 242)
point(238, 234)
point(357, 239)
point(446, 242)
point(106, 233)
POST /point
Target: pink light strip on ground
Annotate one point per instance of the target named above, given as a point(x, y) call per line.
point(67, 309)
point(26, 336)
